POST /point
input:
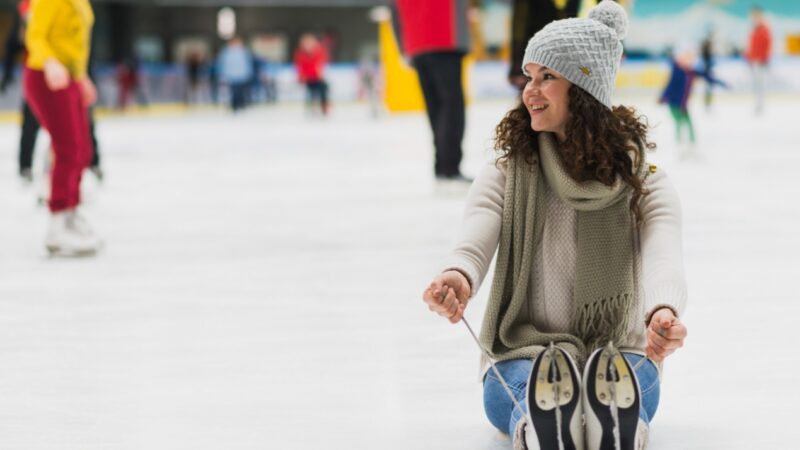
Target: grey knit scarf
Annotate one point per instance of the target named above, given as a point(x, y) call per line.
point(604, 289)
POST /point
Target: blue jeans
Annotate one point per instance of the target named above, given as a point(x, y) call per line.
point(504, 416)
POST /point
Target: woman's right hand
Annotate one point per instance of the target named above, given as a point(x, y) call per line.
point(55, 75)
point(448, 295)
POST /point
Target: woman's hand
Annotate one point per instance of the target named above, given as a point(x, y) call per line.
point(55, 75)
point(88, 91)
point(448, 294)
point(665, 334)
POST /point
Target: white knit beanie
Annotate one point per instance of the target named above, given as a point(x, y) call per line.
point(586, 52)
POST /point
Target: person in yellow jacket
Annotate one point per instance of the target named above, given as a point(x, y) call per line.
point(56, 85)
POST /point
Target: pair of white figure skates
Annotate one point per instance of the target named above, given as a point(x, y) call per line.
point(599, 412)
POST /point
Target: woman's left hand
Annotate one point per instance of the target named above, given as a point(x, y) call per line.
point(88, 91)
point(665, 334)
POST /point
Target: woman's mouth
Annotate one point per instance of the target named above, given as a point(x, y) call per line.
point(536, 107)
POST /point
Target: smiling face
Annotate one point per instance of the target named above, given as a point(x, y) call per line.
point(547, 100)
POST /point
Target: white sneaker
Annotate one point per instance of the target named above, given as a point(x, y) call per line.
point(555, 409)
point(611, 402)
point(70, 235)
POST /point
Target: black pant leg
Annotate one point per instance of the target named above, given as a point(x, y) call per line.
point(450, 120)
point(27, 142)
point(95, 148)
point(323, 95)
point(425, 67)
point(313, 92)
point(237, 96)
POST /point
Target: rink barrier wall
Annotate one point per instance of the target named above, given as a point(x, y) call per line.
point(166, 84)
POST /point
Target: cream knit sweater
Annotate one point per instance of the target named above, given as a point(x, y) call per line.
point(659, 275)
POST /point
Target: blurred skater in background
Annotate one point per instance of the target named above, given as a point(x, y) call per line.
point(59, 91)
point(434, 36)
point(235, 65)
point(759, 50)
point(15, 47)
point(310, 60)
point(678, 91)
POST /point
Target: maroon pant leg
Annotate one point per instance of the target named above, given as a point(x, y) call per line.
point(65, 118)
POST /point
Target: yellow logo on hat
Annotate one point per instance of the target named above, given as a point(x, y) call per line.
point(586, 71)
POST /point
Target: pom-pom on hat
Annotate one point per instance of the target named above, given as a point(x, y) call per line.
point(586, 52)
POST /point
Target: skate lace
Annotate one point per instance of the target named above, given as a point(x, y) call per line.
point(614, 375)
point(497, 372)
point(556, 392)
point(556, 397)
point(641, 362)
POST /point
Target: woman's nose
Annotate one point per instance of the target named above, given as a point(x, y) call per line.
point(533, 88)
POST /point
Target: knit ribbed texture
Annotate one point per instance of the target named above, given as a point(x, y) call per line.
point(604, 288)
point(586, 52)
point(554, 277)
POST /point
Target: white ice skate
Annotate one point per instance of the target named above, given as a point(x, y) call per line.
point(611, 402)
point(553, 400)
point(69, 235)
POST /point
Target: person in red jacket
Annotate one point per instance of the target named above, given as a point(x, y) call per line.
point(758, 52)
point(433, 34)
point(310, 60)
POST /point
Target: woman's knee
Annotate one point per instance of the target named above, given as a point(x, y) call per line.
point(497, 404)
point(649, 384)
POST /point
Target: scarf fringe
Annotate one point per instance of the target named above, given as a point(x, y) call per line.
point(604, 320)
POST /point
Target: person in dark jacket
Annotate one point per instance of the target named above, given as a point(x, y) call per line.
point(434, 36)
point(527, 18)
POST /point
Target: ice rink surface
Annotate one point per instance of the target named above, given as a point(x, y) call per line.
point(261, 288)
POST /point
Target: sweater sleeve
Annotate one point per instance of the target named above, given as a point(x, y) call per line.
point(480, 230)
point(42, 14)
point(663, 279)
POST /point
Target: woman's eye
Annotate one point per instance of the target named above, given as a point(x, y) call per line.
point(548, 76)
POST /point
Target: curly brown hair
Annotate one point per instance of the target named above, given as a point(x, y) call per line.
point(591, 150)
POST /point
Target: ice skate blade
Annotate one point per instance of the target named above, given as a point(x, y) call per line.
point(553, 398)
point(57, 252)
